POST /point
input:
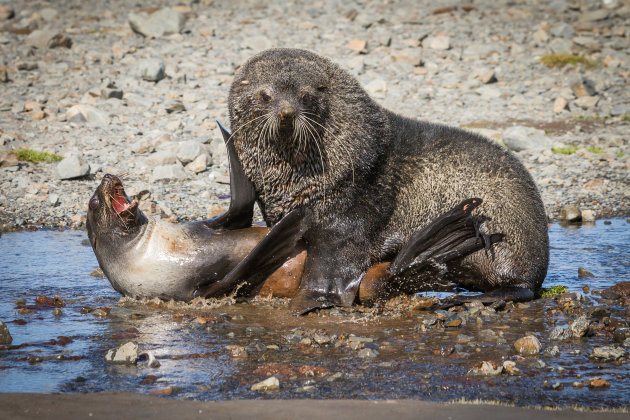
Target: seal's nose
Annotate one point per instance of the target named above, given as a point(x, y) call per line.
point(287, 112)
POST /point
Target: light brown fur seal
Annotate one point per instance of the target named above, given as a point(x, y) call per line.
point(309, 136)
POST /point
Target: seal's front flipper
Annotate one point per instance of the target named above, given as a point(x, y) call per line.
point(270, 253)
point(451, 235)
point(515, 294)
point(243, 195)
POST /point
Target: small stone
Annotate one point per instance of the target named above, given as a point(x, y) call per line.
point(552, 351)
point(174, 105)
point(321, 339)
point(367, 353)
point(586, 102)
point(168, 172)
point(579, 327)
point(571, 214)
point(200, 164)
point(48, 38)
point(237, 352)
point(359, 45)
point(5, 335)
point(528, 345)
point(486, 368)
point(4, 76)
point(125, 354)
point(8, 159)
point(162, 22)
point(270, 384)
point(151, 361)
point(87, 113)
point(488, 77)
point(6, 12)
point(187, 151)
point(594, 15)
point(510, 368)
point(598, 383)
point(577, 385)
point(563, 30)
point(110, 90)
point(559, 333)
point(582, 87)
point(440, 42)
point(57, 312)
point(152, 69)
point(608, 353)
point(376, 87)
point(560, 104)
point(97, 272)
point(413, 58)
point(73, 166)
point(583, 272)
point(453, 323)
point(518, 138)
point(621, 334)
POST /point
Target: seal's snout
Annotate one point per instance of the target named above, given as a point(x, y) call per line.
point(286, 113)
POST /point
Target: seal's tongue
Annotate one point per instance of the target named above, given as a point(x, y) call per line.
point(120, 202)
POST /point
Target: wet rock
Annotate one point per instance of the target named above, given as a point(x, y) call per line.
point(152, 69)
point(453, 323)
point(74, 166)
point(162, 22)
point(269, 369)
point(125, 354)
point(237, 352)
point(336, 377)
point(528, 345)
point(571, 214)
point(510, 368)
point(598, 383)
point(608, 353)
point(5, 335)
point(367, 353)
point(559, 333)
point(588, 216)
point(48, 38)
point(150, 359)
point(486, 368)
point(321, 339)
point(621, 288)
point(270, 384)
point(57, 312)
point(621, 334)
point(579, 327)
point(87, 113)
point(97, 272)
point(57, 302)
point(169, 172)
point(520, 138)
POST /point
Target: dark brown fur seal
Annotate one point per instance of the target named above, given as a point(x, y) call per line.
point(308, 135)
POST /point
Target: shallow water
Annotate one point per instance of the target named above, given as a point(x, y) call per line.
point(196, 363)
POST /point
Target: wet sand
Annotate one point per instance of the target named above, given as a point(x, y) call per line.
point(127, 405)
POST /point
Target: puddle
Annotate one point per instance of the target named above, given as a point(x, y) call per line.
point(414, 358)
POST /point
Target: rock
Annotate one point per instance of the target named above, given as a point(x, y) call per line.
point(125, 354)
point(48, 38)
point(560, 104)
point(528, 345)
point(367, 353)
point(161, 157)
point(168, 172)
point(559, 333)
point(560, 46)
point(488, 77)
point(200, 164)
point(5, 335)
point(8, 159)
point(518, 138)
point(73, 166)
point(598, 383)
point(359, 45)
point(110, 90)
point(162, 22)
point(583, 272)
point(586, 102)
point(588, 216)
point(608, 353)
point(409, 57)
point(377, 87)
point(621, 289)
point(440, 42)
point(579, 327)
point(571, 214)
point(510, 368)
point(486, 368)
point(6, 12)
point(563, 30)
point(594, 15)
point(174, 105)
point(582, 86)
point(189, 150)
point(4, 76)
point(257, 43)
point(152, 69)
point(621, 334)
point(151, 361)
point(237, 352)
point(87, 113)
point(552, 351)
point(270, 384)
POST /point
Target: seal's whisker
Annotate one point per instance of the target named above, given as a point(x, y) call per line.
point(243, 126)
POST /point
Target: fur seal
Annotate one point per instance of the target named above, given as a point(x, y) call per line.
point(146, 257)
point(308, 135)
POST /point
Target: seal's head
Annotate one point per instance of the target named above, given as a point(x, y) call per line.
point(111, 212)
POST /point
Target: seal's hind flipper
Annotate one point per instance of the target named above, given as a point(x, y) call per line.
point(243, 195)
point(270, 253)
point(514, 294)
point(451, 235)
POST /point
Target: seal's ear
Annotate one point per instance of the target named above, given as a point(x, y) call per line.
point(243, 195)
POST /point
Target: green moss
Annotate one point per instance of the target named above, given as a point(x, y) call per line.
point(545, 292)
point(29, 155)
point(561, 60)
point(593, 117)
point(595, 150)
point(564, 150)
point(626, 117)
point(620, 154)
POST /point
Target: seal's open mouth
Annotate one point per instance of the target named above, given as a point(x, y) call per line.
point(119, 201)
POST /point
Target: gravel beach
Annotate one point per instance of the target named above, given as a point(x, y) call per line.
point(128, 89)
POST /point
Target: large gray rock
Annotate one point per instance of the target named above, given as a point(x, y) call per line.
point(519, 138)
point(126, 354)
point(74, 166)
point(608, 353)
point(189, 150)
point(152, 69)
point(168, 172)
point(88, 114)
point(48, 38)
point(163, 22)
point(218, 152)
point(5, 335)
point(559, 333)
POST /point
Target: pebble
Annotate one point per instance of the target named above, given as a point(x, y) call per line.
point(608, 353)
point(169, 172)
point(486, 368)
point(598, 383)
point(4, 76)
point(579, 327)
point(6, 12)
point(367, 353)
point(152, 69)
point(441, 42)
point(48, 38)
point(560, 104)
point(270, 384)
point(559, 333)
point(73, 166)
point(570, 214)
point(93, 116)
point(5, 335)
point(238, 352)
point(518, 138)
point(125, 354)
point(528, 345)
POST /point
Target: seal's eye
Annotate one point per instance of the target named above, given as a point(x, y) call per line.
point(94, 203)
point(306, 98)
point(265, 96)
